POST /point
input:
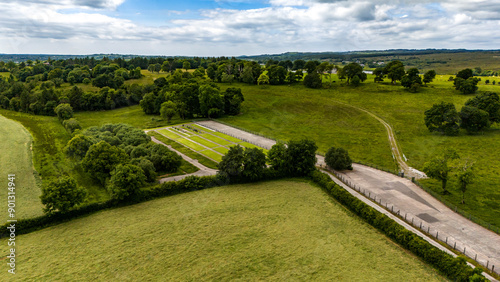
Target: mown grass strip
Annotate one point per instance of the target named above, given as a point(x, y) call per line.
point(186, 151)
point(217, 140)
point(190, 144)
point(213, 155)
point(169, 134)
point(222, 150)
point(204, 142)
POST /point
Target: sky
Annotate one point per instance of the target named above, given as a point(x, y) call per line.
point(243, 27)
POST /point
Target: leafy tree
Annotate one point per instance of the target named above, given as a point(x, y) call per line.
point(442, 118)
point(291, 77)
point(465, 74)
point(186, 65)
point(247, 75)
point(62, 195)
point(338, 159)
point(163, 159)
point(489, 102)
point(439, 169)
point(125, 181)
point(466, 86)
point(278, 158)
point(232, 101)
point(148, 103)
point(412, 80)
point(263, 79)
point(465, 177)
point(429, 76)
point(395, 70)
point(277, 75)
point(64, 111)
point(71, 125)
point(313, 80)
point(473, 119)
point(352, 70)
point(302, 154)
point(227, 78)
point(231, 164)
point(211, 101)
point(254, 164)
point(101, 159)
point(168, 110)
point(147, 167)
point(379, 74)
point(298, 64)
point(310, 66)
point(355, 81)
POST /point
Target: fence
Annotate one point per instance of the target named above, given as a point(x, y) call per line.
point(422, 226)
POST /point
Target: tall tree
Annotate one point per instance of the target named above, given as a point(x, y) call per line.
point(101, 159)
point(465, 177)
point(354, 69)
point(125, 181)
point(395, 70)
point(489, 102)
point(439, 169)
point(211, 101)
point(62, 195)
point(473, 119)
point(168, 110)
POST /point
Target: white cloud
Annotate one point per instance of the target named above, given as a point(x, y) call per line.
point(46, 26)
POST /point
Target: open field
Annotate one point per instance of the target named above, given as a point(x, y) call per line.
point(132, 115)
point(211, 144)
point(287, 112)
point(16, 158)
point(280, 230)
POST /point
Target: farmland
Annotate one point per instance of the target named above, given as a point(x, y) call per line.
point(280, 230)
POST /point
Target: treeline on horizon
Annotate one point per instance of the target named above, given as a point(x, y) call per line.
point(260, 58)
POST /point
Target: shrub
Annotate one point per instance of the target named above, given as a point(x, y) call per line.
point(338, 159)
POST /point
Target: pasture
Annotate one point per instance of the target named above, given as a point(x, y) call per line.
point(279, 230)
point(207, 142)
point(16, 158)
point(292, 112)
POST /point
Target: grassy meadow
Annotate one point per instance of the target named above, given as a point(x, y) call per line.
point(279, 230)
point(287, 112)
point(16, 158)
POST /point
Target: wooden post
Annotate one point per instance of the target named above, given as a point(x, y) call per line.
point(455, 246)
point(437, 235)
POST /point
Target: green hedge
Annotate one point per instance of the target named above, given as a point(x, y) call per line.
point(454, 268)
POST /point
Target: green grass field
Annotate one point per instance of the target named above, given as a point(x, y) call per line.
point(280, 230)
point(211, 154)
point(16, 158)
point(287, 112)
point(132, 115)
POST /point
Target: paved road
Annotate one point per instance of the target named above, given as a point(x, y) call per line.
point(410, 200)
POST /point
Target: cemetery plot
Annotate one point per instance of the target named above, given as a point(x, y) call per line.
point(205, 141)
